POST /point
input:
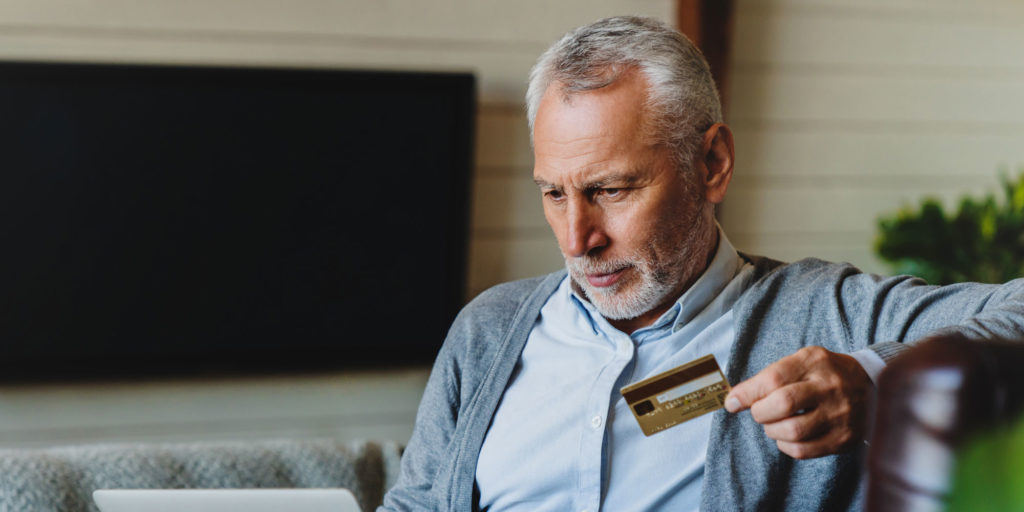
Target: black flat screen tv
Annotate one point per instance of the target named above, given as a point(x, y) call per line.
point(178, 220)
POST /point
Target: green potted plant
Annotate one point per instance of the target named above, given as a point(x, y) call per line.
point(982, 241)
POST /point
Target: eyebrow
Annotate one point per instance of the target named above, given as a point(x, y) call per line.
point(543, 184)
point(601, 181)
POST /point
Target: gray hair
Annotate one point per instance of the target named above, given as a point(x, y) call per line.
point(682, 100)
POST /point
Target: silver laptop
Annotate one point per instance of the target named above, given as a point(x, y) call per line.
point(225, 500)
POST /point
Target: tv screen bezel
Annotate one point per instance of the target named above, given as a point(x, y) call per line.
point(461, 86)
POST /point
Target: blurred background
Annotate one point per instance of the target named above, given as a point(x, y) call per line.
point(844, 111)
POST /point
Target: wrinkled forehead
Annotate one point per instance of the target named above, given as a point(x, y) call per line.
point(586, 134)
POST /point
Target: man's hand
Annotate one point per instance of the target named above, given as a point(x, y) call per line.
point(812, 403)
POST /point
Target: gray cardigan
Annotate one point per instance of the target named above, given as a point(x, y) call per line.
point(787, 306)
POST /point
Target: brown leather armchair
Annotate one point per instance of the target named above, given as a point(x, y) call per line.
point(932, 401)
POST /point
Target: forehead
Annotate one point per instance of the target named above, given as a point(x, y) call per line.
point(587, 130)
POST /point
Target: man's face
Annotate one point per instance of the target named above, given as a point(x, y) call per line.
point(634, 231)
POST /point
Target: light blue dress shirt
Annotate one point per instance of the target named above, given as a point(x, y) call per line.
point(563, 438)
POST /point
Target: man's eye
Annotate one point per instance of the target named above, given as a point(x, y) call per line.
point(611, 192)
point(553, 194)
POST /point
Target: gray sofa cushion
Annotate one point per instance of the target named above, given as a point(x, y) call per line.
point(63, 478)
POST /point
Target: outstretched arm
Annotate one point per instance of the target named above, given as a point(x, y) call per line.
point(815, 402)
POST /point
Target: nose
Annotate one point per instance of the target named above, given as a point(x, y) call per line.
point(584, 229)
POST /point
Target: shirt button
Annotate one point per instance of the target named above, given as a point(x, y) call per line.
point(677, 327)
point(595, 422)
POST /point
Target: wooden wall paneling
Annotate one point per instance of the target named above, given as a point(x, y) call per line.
point(846, 110)
point(499, 42)
point(887, 158)
point(516, 256)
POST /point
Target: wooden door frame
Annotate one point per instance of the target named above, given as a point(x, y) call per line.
point(709, 24)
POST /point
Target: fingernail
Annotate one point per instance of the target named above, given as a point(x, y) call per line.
point(732, 404)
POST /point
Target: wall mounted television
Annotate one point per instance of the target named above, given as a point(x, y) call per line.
point(179, 220)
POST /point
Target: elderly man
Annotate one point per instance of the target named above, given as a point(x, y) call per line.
point(523, 409)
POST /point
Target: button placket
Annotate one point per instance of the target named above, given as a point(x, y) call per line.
point(598, 405)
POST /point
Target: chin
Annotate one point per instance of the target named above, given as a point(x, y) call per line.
point(616, 303)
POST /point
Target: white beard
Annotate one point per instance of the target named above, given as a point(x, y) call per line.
point(628, 298)
point(655, 273)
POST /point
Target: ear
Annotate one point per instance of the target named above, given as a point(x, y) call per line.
point(716, 162)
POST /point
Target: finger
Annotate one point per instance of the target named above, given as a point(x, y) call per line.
point(786, 401)
point(801, 428)
point(780, 373)
point(834, 442)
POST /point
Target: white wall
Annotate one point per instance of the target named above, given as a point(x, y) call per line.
point(845, 110)
point(356, 405)
point(497, 40)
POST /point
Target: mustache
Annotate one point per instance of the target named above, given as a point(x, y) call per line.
point(584, 265)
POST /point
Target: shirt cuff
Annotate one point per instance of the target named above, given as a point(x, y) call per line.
point(871, 362)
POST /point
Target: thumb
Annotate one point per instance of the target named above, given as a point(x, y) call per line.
point(744, 394)
point(741, 397)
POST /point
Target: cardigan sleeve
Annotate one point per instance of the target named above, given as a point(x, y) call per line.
point(436, 420)
point(895, 312)
point(885, 314)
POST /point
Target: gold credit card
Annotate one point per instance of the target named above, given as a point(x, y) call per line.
point(678, 395)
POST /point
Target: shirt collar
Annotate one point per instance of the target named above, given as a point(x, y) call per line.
point(722, 269)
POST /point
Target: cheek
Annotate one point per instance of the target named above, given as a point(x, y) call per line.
point(630, 230)
point(656, 227)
